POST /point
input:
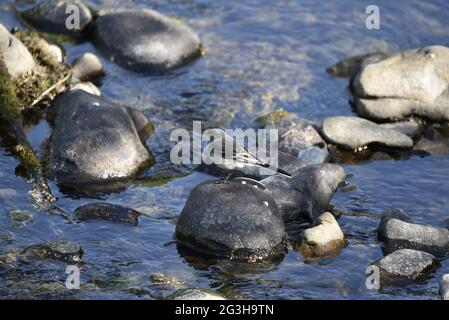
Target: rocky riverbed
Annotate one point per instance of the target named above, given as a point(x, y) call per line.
point(98, 105)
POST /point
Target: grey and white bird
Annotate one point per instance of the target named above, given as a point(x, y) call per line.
point(227, 154)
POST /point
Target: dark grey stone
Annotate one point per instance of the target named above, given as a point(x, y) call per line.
point(397, 234)
point(107, 211)
point(144, 40)
point(237, 219)
point(308, 193)
point(94, 142)
point(50, 16)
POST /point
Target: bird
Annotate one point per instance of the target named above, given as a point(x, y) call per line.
point(237, 160)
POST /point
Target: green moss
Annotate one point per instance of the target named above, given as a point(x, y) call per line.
point(272, 117)
point(9, 104)
point(27, 157)
point(49, 73)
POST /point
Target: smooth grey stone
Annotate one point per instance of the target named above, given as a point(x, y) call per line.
point(87, 67)
point(94, 142)
point(296, 134)
point(145, 41)
point(308, 193)
point(405, 266)
point(412, 82)
point(237, 219)
point(353, 133)
point(349, 68)
point(410, 127)
point(444, 287)
point(107, 211)
point(16, 56)
point(62, 250)
point(397, 234)
point(196, 294)
point(50, 16)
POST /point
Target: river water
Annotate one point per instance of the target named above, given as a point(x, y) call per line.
point(261, 55)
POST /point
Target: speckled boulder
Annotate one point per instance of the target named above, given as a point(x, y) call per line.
point(107, 211)
point(405, 266)
point(62, 250)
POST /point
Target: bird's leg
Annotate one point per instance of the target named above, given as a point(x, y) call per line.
point(226, 180)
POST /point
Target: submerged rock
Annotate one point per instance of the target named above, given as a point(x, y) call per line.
point(308, 193)
point(353, 133)
point(444, 287)
point(397, 234)
point(94, 142)
point(144, 40)
point(62, 250)
point(405, 266)
point(16, 56)
point(107, 211)
point(52, 16)
point(237, 219)
point(323, 238)
point(349, 68)
point(196, 294)
point(86, 68)
point(412, 82)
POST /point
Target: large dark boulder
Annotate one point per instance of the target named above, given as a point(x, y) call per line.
point(94, 141)
point(237, 219)
point(146, 41)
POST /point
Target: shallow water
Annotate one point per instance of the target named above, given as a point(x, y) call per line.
point(261, 55)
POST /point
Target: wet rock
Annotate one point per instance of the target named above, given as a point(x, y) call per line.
point(349, 68)
point(237, 220)
point(62, 250)
point(16, 56)
point(94, 142)
point(322, 238)
point(444, 287)
point(144, 40)
point(308, 193)
point(196, 294)
point(397, 234)
point(353, 133)
point(405, 266)
point(51, 16)
point(297, 137)
point(107, 211)
point(427, 146)
point(19, 216)
point(273, 117)
point(87, 67)
point(88, 87)
point(412, 82)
